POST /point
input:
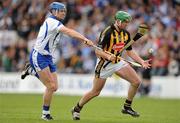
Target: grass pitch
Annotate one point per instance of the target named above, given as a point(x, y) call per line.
point(26, 108)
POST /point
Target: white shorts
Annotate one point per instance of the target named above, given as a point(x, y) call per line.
point(107, 71)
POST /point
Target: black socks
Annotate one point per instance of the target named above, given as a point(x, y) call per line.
point(127, 104)
point(77, 108)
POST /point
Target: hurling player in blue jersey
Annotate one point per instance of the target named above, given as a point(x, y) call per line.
point(41, 64)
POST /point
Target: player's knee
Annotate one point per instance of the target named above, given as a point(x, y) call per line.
point(53, 87)
point(136, 82)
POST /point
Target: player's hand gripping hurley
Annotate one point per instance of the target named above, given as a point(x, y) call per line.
point(118, 57)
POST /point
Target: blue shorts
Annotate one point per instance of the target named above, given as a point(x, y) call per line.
point(39, 62)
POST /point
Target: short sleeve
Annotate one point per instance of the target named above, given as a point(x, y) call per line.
point(54, 25)
point(129, 39)
point(104, 39)
point(60, 25)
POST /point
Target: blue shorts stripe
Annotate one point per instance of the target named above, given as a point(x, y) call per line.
point(35, 61)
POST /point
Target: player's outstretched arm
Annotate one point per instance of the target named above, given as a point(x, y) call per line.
point(76, 35)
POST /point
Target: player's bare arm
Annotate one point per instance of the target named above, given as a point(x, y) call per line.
point(75, 34)
point(137, 58)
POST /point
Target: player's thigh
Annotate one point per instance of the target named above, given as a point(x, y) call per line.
point(47, 77)
point(98, 84)
point(129, 74)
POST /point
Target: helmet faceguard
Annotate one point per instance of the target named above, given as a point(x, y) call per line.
point(123, 16)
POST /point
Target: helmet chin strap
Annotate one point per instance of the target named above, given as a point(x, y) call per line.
point(117, 25)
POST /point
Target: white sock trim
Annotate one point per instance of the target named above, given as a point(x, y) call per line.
point(45, 112)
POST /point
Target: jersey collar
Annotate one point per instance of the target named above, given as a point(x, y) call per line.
point(114, 28)
point(54, 17)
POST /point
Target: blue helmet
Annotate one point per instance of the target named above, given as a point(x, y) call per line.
point(56, 6)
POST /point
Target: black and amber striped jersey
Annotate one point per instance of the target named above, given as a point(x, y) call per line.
point(113, 40)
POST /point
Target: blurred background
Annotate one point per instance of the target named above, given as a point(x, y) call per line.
point(158, 97)
point(20, 21)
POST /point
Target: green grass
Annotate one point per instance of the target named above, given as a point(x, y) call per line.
point(26, 108)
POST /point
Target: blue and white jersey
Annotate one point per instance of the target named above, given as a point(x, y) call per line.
point(48, 36)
